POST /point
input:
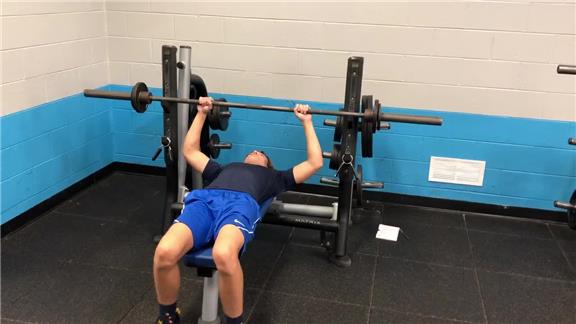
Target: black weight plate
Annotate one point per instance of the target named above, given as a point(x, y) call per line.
point(367, 104)
point(367, 138)
point(338, 129)
point(335, 159)
point(377, 109)
point(138, 105)
point(199, 87)
point(367, 124)
point(197, 90)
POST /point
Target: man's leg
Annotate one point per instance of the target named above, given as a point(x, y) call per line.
point(174, 244)
point(231, 283)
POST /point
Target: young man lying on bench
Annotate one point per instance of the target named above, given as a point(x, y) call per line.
point(225, 214)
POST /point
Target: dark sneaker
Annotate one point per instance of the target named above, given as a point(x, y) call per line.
point(168, 318)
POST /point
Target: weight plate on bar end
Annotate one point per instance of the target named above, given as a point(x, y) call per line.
point(377, 109)
point(138, 105)
point(367, 124)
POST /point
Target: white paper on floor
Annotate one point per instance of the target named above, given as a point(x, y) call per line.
point(386, 232)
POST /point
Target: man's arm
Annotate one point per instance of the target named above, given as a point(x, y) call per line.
point(191, 147)
point(314, 162)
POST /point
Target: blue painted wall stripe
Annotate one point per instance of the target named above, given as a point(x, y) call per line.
point(498, 155)
point(47, 148)
point(53, 176)
point(28, 153)
point(33, 199)
point(36, 121)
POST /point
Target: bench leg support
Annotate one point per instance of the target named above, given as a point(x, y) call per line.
point(210, 301)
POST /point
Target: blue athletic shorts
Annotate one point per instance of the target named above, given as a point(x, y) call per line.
point(206, 211)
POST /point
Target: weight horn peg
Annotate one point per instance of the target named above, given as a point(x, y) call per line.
point(214, 146)
point(373, 184)
point(570, 210)
point(360, 184)
point(330, 181)
point(330, 122)
point(383, 125)
point(369, 185)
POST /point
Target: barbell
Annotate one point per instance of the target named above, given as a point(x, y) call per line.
point(140, 98)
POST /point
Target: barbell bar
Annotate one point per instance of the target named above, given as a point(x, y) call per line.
point(140, 97)
point(334, 123)
point(566, 69)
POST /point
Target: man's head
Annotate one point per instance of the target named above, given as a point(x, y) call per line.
point(258, 158)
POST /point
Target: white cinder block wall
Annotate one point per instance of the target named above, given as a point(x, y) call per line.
point(50, 50)
point(481, 57)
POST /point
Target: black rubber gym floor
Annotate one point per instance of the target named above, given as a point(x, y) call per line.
point(89, 260)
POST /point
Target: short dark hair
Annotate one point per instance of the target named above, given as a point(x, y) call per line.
point(269, 163)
